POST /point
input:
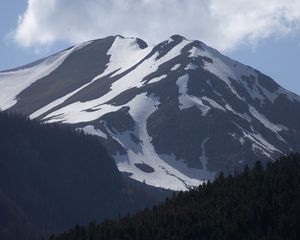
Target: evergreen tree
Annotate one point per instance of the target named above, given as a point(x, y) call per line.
point(262, 203)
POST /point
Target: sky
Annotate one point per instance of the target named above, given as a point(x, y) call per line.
point(264, 34)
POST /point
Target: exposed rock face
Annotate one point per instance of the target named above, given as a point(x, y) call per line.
point(172, 115)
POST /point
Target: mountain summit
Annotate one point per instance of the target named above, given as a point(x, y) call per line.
point(172, 115)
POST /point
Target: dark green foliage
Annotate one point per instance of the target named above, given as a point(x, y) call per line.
point(52, 178)
point(259, 204)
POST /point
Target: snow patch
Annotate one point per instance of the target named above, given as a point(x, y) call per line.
point(77, 112)
point(223, 67)
point(258, 142)
point(191, 66)
point(14, 82)
point(181, 166)
point(268, 124)
point(244, 115)
point(260, 117)
point(175, 67)
point(125, 53)
point(195, 52)
point(175, 51)
point(157, 79)
point(82, 45)
point(89, 129)
point(164, 175)
point(187, 101)
point(213, 103)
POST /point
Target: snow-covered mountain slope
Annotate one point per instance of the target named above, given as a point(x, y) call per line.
point(172, 115)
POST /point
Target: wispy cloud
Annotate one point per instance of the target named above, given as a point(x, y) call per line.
point(221, 24)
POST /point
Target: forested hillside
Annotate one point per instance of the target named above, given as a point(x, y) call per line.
point(262, 203)
point(52, 178)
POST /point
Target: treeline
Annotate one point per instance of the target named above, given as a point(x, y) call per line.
point(259, 203)
point(52, 177)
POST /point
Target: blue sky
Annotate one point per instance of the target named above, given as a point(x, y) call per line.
point(264, 35)
point(277, 58)
point(13, 54)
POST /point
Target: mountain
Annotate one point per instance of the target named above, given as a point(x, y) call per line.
point(171, 115)
point(256, 204)
point(52, 178)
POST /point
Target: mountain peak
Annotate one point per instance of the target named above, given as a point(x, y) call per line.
point(172, 115)
point(177, 37)
point(141, 43)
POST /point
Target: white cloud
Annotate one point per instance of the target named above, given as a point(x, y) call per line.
point(222, 24)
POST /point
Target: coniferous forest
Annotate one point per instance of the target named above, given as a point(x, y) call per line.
point(259, 203)
point(52, 178)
